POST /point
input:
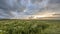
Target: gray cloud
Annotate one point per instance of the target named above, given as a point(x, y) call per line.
point(15, 8)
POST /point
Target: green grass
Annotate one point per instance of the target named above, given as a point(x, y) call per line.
point(29, 26)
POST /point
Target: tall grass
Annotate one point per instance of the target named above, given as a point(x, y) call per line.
point(29, 26)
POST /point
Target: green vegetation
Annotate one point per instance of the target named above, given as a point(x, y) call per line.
point(29, 26)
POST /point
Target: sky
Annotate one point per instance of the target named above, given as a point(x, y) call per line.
point(23, 8)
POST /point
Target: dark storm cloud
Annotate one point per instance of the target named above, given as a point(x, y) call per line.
point(54, 5)
point(8, 6)
point(55, 1)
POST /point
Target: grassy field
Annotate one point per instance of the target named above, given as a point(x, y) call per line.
point(29, 26)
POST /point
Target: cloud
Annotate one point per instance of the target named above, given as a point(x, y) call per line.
point(15, 8)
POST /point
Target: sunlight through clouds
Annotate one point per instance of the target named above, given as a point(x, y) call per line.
point(27, 8)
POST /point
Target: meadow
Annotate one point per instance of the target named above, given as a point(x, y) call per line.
point(17, 26)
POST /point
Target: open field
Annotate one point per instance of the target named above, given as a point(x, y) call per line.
point(29, 26)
